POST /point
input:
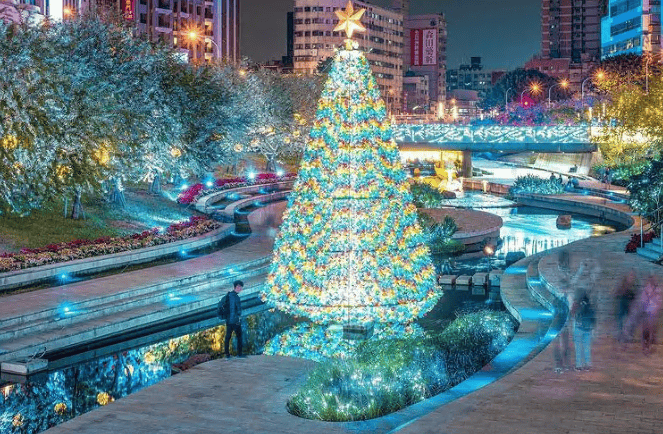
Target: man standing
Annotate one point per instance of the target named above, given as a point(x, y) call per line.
point(233, 322)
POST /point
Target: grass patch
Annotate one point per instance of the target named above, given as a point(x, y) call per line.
point(48, 224)
point(384, 376)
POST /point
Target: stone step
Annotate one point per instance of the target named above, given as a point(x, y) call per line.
point(650, 254)
point(86, 332)
point(537, 288)
point(188, 287)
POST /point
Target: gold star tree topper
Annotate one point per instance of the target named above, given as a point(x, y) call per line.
point(349, 20)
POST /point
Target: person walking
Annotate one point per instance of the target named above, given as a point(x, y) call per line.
point(562, 348)
point(652, 300)
point(233, 321)
point(624, 296)
point(583, 313)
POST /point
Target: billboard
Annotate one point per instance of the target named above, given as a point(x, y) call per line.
point(423, 47)
point(128, 9)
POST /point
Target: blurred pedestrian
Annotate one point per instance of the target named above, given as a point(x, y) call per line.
point(652, 301)
point(624, 295)
point(562, 350)
point(583, 312)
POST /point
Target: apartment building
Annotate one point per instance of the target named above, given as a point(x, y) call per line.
point(203, 30)
point(631, 27)
point(425, 53)
point(471, 76)
point(315, 40)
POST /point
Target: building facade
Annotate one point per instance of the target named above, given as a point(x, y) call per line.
point(631, 27)
point(315, 41)
point(425, 53)
point(571, 28)
point(416, 98)
point(471, 77)
point(214, 24)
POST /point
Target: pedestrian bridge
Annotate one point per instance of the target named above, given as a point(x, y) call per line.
point(495, 138)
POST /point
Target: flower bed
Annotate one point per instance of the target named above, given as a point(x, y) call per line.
point(194, 192)
point(79, 249)
point(634, 243)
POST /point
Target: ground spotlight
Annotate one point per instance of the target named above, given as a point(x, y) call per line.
point(252, 176)
point(279, 173)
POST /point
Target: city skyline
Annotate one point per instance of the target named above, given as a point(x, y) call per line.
point(505, 35)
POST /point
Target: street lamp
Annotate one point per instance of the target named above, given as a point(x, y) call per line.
point(598, 76)
point(506, 99)
point(193, 35)
point(534, 89)
point(564, 84)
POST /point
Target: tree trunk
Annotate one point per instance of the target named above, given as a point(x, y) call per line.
point(117, 194)
point(155, 185)
point(270, 164)
point(77, 208)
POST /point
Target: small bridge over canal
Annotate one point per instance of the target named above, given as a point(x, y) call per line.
point(494, 138)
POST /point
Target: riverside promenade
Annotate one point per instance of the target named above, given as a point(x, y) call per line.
point(622, 393)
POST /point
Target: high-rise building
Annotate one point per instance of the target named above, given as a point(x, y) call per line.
point(201, 29)
point(631, 27)
point(17, 10)
point(570, 39)
point(315, 41)
point(204, 30)
point(402, 6)
point(471, 77)
point(571, 29)
point(425, 53)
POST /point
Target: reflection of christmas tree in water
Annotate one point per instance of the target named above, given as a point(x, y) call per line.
point(349, 250)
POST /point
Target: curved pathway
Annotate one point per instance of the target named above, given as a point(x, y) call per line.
point(622, 394)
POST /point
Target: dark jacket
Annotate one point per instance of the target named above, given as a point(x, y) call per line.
point(234, 308)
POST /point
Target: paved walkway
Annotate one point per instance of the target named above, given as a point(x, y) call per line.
point(621, 394)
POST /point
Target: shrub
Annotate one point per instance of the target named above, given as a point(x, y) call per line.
point(425, 196)
point(536, 185)
point(384, 376)
point(635, 241)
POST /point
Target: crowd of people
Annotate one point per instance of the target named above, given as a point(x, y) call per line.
point(637, 308)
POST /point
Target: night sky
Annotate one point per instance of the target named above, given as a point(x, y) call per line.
point(505, 33)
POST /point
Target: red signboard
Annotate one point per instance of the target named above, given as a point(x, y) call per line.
point(423, 47)
point(128, 9)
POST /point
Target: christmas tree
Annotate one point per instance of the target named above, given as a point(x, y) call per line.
point(349, 250)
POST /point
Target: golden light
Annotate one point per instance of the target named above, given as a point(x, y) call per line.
point(564, 83)
point(453, 101)
point(349, 20)
point(242, 72)
point(600, 75)
point(66, 11)
point(175, 152)
point(535, 88)
point(104, 398)
point(101, 155)
point(192, 35)
point(9, 142)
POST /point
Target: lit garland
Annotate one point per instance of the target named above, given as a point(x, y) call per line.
point(349, 249)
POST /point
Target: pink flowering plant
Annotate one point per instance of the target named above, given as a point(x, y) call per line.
point(196, 191)
point(79, 249)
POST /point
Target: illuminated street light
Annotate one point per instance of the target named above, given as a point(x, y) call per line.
point(534, 89)
point(506, 99)
point(564, 84)
point(194, 36)
point(600, 75)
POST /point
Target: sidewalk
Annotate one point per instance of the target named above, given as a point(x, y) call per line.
point(621, 394)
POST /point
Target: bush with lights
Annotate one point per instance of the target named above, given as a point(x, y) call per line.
point(385, 376)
